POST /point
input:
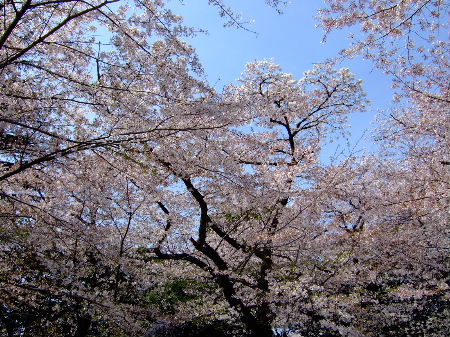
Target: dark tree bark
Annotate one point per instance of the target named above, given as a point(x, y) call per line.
point(83, 325)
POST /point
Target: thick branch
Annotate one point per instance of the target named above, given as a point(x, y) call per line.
point(211, 253)
point(204, 217)
point(231, 241)
point(182, 256)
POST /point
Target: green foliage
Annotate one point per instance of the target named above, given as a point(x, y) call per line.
point(232, 217)
point(344, 255)
point(248, 216)
point(174, 293)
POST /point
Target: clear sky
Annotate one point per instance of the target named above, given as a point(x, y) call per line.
point(291, 39)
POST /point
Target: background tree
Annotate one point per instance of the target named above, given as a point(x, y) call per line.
point(79, 79)
point(401, 198)
point(68, 89)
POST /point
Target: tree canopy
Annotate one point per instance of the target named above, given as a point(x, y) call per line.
point(137, 200)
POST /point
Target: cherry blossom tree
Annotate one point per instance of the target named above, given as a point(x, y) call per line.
point(231, 204)
point(68, 88)
point(409, 41)
point(78, 79)
point(388, 272)
point(240, 207)
point(398, 205)
point(132, 193)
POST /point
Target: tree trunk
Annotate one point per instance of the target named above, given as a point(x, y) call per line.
point(83, 325)
point(262, 330)
point(261, 325)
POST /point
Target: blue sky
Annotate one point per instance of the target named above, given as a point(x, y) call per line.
point(291, 39)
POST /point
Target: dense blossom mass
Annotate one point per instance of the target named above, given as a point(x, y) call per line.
point(137, 200)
